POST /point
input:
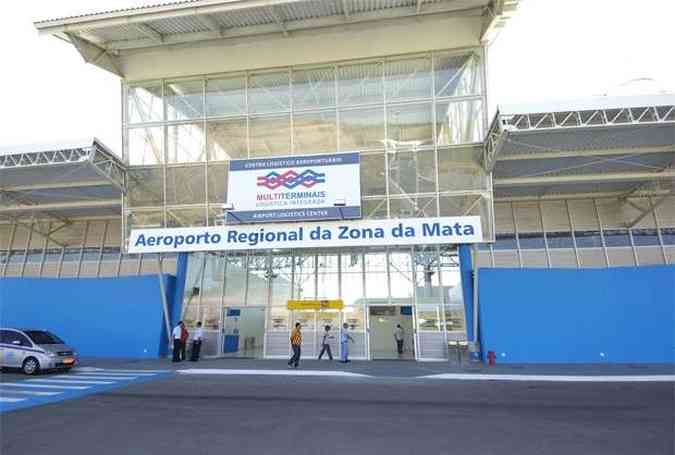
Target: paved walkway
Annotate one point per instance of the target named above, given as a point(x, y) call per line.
point(398, 369)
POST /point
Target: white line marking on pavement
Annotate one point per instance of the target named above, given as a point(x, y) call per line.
point(82, 376)
point(10, 400)
point(232, 372)
point(549, 378)
point(30, 392)
point(67, 381)
point(134, 371)
point(46, 386)
point(118, 374)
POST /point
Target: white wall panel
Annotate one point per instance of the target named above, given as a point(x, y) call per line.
point(620, 256)
point(592, 257)
point(534, 258)
point(506, 258)
point(563, 258)
point(650, 255)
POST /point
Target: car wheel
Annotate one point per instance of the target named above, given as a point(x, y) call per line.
point(31, 366)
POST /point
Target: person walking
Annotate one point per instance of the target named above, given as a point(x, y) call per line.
point(345, 338)
point(197, 342)
point(176, 335)
point(399, 336)
point(184, 335)
point(296, 341)
point(325, 347)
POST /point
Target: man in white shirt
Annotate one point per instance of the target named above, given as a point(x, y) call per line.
point(399, 336)
point(177, 343)
point(197, 342)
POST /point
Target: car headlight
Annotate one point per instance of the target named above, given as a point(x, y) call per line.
point(52, 354)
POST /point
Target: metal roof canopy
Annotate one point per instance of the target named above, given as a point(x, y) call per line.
point(101, 37)
point(609, 146)
point(58, 182)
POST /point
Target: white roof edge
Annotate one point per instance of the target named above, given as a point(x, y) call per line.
point(591, 103)
point(51, 146)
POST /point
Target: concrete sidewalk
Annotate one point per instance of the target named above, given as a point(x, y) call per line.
point(395, 369)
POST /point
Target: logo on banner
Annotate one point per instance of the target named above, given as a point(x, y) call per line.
point(291, 179)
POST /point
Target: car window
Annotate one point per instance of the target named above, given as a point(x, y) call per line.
point(10, 337)
point(43, 337)
point(3, 336)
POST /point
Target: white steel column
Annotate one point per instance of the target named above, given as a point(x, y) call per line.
point(602, 232)
point(515, 234)
point(574, 237)
point(543, 230)
point(165, 304)
point(657, 224)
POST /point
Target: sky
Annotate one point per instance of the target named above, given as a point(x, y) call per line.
point(550, 50)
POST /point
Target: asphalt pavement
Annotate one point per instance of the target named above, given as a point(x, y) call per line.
point(387, 414)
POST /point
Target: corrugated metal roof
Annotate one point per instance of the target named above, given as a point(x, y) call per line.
point(121, 10)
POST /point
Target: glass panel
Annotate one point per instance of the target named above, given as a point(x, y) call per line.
point(505, 242)
point(185, 185)
point(185, 143)
point(461, 205)
point(427, 279)
point(645, 237)
point(184, 100)
point(617, 237)
point(144, 146)
point(315, 132)
point(454, 318)
point(428, 318)
point(374, 208)
point(559, 240)
point(412, 207)
point(668, 236)
point(531, 240)
point(304, 278)
point(409, 126)
point(372, 175)
point(278, 319)
point(460, 170)
point(328, 286)
point(402, 283)
point(145, 186)
point(352, 278)
point(226, 139)
point(235, 280)
point(409, 78)
point(588, 239)
point(270, 136)
point(147, 220)
point(226, 96)
point(186, 217)
point(354, 316)
point(211, 291)
point(360, 84)
point(144, 104)
point(377, 286)
point(217, 176)
point(362, 129)
point(258, 279)
point(457, 75)
point(282, 279)
point(307, 320)
point(314, 88)
point(412, 172)
point(269, 92)
point(459, 123)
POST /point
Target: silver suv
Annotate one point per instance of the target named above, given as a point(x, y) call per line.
point(34, 350)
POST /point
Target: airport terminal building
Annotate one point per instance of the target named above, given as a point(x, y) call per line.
point(330, 162)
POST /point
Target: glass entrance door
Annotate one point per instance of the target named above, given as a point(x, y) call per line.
point(392, 334)
point(243, 332)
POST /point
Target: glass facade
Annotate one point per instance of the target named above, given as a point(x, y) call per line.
point(417, 120)
point(426, 279)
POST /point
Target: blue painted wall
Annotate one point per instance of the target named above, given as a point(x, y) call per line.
point(99, 317)
point(567, 315)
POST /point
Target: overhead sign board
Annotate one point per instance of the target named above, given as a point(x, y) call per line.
point(335, 304)
point(294, 188)
point(409, 231)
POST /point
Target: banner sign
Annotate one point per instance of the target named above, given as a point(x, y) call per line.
point(295, 188)
point(336, 304)
point(408, 231)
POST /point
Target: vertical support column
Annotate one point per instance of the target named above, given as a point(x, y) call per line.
point(179, 291)
point(574, 237)
point(467, 275)
point(602, 232)
point(165, 303)
point(9, 249)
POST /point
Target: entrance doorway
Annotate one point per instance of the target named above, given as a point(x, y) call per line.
point(243, 332)
point(383, 321)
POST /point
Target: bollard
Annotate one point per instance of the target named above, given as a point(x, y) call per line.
point(491, 358)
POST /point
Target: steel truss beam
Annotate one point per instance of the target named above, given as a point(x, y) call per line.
point(46, 208)
point(575, 196)
point(493, 143)
point(584, 153)
point(646, 212)
point(585, 178)
point(589, 118)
